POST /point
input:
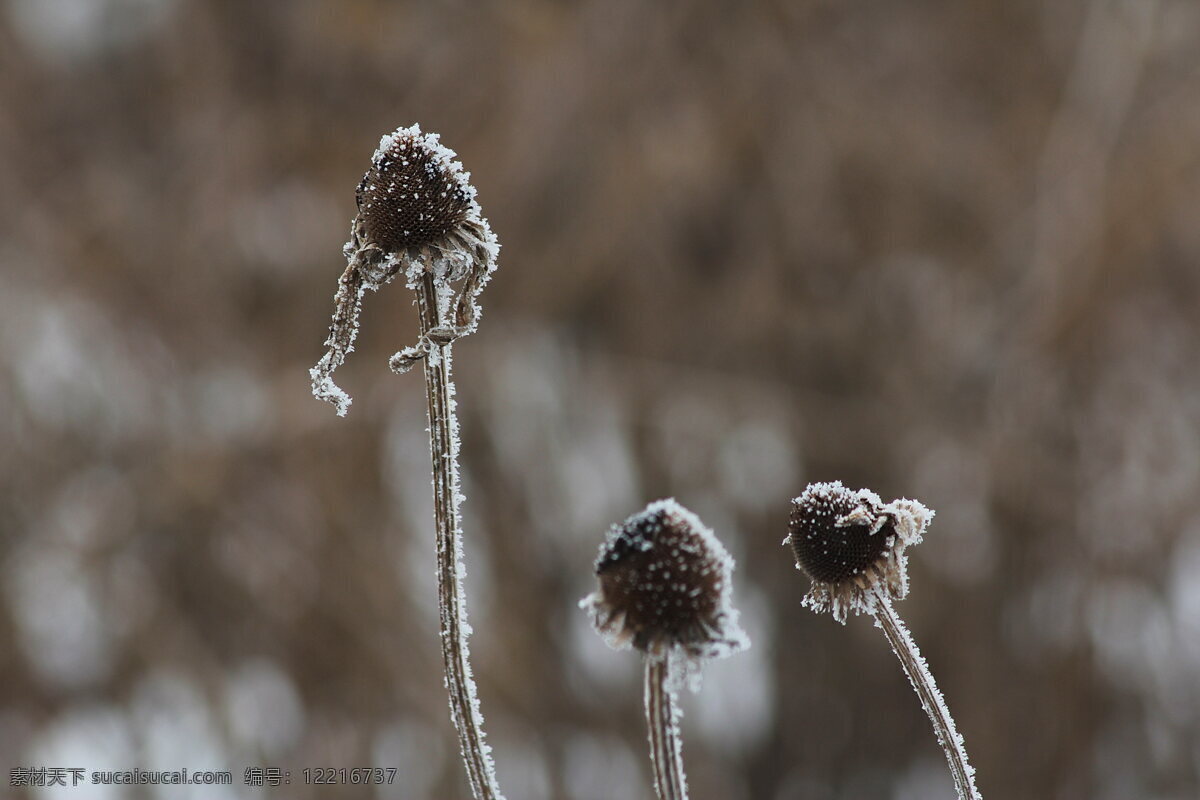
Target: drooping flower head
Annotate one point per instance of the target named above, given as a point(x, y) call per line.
point(417, 216)
point(665, 583)
point(851, 544)
point(414, 196)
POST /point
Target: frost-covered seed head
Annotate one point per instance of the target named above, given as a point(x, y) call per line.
point(665, 582)
point(417, 217)
point(827, 551)
point(851, 544)
point(412, 195)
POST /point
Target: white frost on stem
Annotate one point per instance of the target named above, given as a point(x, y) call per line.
point(662, 723)
point(447, 498)
point(931, 698)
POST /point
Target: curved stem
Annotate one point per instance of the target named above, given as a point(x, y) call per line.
point(443, 443)
point(662, 720)
point(931, 699)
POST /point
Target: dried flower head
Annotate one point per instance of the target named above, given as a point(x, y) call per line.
point(665, 583)
point(414, 196)
point(417, 215)
point(407, 199)
point(851, 544)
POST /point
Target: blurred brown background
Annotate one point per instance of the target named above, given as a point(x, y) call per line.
point(946, 250)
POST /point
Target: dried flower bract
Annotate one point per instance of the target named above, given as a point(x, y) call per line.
point(851, 544)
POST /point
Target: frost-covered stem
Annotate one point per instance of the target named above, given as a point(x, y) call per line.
point(662, 720)
point(931, 699)
point(443, 444)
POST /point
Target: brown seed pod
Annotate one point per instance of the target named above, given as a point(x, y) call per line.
point(851, 544)
point(665, 582)
point(412, 195)
point(831, 551)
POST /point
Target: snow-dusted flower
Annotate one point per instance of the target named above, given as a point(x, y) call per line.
point(415, 197)
point(665, 588)
point(417, 215)
point(665, 583)
point(851, 544)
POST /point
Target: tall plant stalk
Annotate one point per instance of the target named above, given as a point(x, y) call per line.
point(417, 217)
point(443, 448)
point(931, 699)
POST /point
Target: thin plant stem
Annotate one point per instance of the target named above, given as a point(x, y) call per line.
point(931, 699)
point(662, 721)
point(443, 443)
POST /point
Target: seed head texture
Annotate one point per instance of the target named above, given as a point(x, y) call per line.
point(410, 196)
point(664, 582)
